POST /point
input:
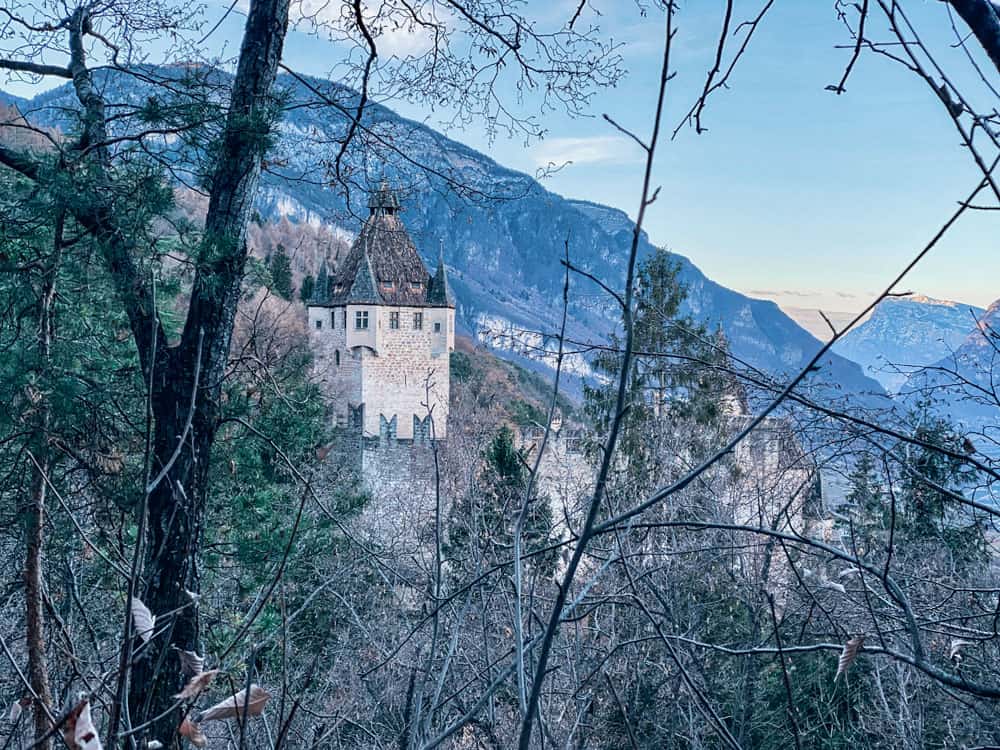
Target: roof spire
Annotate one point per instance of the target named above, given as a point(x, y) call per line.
point(439, 293)
point(364, 290)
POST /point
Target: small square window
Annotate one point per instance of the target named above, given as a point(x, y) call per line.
point(361, 320)
point(437, 328)
point(394, 320)
point(319, 324)
point(418, 321)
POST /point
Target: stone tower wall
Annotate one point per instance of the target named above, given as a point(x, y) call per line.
point(405, 372)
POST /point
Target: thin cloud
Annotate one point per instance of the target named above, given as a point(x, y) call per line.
point(781, 293)
point(599, 149)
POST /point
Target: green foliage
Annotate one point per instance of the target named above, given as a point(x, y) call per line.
point(928, 480)
point(826, 711)
point(671, 376)
point(482, 524)
point(281, 273)
point(461, 367)
point(525, 413)
point(307, 288)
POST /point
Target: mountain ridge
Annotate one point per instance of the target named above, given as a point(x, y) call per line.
point(907, 332)
point(503, 234)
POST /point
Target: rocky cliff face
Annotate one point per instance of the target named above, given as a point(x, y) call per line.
point(503, 235)
point(907, 332)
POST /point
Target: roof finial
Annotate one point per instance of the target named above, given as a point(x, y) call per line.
point(383, 200)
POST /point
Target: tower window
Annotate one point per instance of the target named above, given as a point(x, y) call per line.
point(394, 320)
point(387, 286)
point(361, 320)
point(418, 321)
point(333, 318)
point(437, 328)
point(319, 324)
point(336, 357)
point(345, 318)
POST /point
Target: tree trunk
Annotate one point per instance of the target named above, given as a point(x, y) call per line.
point(193, 371)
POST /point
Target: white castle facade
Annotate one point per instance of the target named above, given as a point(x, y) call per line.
point(383, 329)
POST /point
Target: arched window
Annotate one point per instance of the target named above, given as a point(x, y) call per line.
point(336, 357)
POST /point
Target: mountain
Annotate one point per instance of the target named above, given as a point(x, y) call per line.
point(11, 100)
point(503, 235)
point(907, 332)
point(962, 385)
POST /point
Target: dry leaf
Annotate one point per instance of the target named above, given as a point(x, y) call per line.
point(110, 463)
point(955, 651)
point(196, 684)
point(191, 663)
point(69, 725)
point(85, 735)
point(848, 655)
point(193, 733)
point(143, 620)
point(233, 707)
point(849, 572)
point(16, 708)
point(154, 745)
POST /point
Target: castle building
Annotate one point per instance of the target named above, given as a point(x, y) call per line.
point(383, 328)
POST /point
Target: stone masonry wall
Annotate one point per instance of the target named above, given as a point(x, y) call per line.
point(404, 377)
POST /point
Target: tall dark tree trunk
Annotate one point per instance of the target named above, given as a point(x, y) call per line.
point(192, 373)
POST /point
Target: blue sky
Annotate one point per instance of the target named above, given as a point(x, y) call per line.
point(794, 193)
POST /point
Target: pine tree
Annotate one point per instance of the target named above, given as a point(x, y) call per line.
point(281, 272)
point(306, 290)
point(482, 523)
point(673, 375)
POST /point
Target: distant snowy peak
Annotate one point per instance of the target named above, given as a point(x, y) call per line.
point(959, 379)
point(923, 299)
point(904, 333)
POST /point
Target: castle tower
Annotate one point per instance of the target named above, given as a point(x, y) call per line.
point(383, 328)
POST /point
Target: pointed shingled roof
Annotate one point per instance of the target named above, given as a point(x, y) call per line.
point(439, 294)
point(383, 265)
point(364, 289)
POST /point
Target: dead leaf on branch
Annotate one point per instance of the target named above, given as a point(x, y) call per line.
point(232, 708)
point(69, 725)
point(16, 708)
point(196, 684)
point(955, 650)
point(193, 733)
point(143, 620)
point(79, 731)
point(848, 655)
point(191, 663)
